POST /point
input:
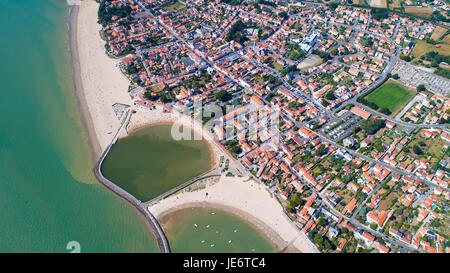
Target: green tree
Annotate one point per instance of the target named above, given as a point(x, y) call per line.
point(421, 87)
point(163, 98)
point(417, 150)
point(223, 95)
point(330, 95)
point(385, 111)
point(372, 126)
point(322, 222)
point(236, 33)
point(289, 208)
point(318, 239)
point(236, 149)
point(405, 58)
point(296, 200)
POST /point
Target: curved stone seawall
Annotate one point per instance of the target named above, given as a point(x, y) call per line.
point(158, 232)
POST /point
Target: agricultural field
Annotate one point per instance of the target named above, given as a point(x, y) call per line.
point(391, 95)
point(360, 2)
point(378, 3)
point(395, 4)
point(423, 47)
point(446, 41)
point(419, 11)
point(438, 32)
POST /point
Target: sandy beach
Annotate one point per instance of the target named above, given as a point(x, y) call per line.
point(98, 82)
point(247, 199)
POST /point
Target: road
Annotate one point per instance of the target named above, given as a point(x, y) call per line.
point(382, 164)
point(318, 106)
point(358, 225)
point(338, 214)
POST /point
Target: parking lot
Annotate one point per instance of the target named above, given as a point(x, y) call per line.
point(413, 76)
point(341, 127)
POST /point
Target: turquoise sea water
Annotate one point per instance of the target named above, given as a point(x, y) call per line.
point(48, 195)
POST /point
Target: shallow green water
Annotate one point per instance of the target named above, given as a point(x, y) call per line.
point(206, 230)
point(48, 195)
point(150, 162)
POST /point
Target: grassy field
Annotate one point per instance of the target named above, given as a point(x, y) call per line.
point(391, 95)
point(155, 88)
point(386, 203)
point(174, 6)
point(423, 47)
point(278, 66)
point(432, 146)
point(311, 61)
point(431, 150)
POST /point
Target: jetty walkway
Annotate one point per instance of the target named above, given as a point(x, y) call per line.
point(210, 173)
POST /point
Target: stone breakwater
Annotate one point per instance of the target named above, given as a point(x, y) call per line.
point(158, 232)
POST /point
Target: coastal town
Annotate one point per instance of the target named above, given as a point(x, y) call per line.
point(339, 110)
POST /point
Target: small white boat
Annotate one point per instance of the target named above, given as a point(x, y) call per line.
point(207, 226)
point(235, 230)
point(213, 245)
point(203, 241)
point(229, 241)
point(195, 225)
point(213, 213)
